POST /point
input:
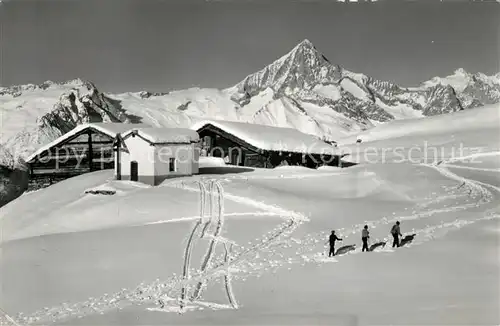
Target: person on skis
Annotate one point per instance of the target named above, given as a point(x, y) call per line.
point(396, 233)
point(365, 235)
point(332, 239)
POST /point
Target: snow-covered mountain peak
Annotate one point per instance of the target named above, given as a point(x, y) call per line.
point(458, 80)
point(471, 89)
point(303, 67)
point(306, 77)
point(49, 85)
point(303, 45)
point(305, 42)
point(303, 48)
point(460, 72)
point(301, 90)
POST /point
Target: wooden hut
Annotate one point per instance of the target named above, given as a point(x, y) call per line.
point(86, 148)
point(254, 145)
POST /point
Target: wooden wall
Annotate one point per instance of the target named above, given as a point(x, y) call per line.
point(222, 144)
point(250, 156)
point(87, 151)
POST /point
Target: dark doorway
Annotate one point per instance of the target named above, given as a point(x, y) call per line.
point(235, 157)
point(134, 171)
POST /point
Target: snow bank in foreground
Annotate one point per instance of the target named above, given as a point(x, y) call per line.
point(105, 269)
point(279, 220)
point(136, 204)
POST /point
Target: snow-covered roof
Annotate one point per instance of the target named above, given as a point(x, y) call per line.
point(272, 138)
point(111, 129)
point(162, 135)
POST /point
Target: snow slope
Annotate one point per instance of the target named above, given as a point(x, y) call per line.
point(472, 89)
point(329, 91)
point(300, 90)
point(118, 259)
point(349, 86)
point(427, 140)
point(34, 115)
point(401, 111)
point(487, 117)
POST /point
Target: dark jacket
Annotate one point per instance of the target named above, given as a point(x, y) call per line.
point(333, 238)
point(396, 230)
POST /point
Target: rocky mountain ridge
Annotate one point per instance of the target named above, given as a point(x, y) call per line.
point(302, 89)
point(304, 69)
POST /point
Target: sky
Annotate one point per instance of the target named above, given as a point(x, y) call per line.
point(133, 45)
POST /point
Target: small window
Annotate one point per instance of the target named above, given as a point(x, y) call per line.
point(171, 166)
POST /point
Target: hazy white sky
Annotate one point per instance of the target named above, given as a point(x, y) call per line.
point(131, 45)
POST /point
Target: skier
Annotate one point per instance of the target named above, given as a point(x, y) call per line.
point(365, 235)
point(396, 233)
point(332, 239)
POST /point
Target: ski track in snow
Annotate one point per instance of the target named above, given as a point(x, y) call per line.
point(194, 218)
point(272, 209)
point(262, 256)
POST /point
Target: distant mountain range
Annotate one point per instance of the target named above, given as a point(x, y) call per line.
point(302, 90)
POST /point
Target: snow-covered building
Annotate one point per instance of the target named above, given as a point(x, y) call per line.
point(145, 155)
point(151, 155)
point(87, 147)
point(254, 145)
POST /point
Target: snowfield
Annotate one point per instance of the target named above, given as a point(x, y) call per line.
point(247, 246)
point(302, 90)
point(487, 117)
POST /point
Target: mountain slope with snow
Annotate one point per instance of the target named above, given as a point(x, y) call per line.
point(300, 90)
point(486, 117)
point(118, 259)
point(472, 89)
point(34, 115)
point(305, 70)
